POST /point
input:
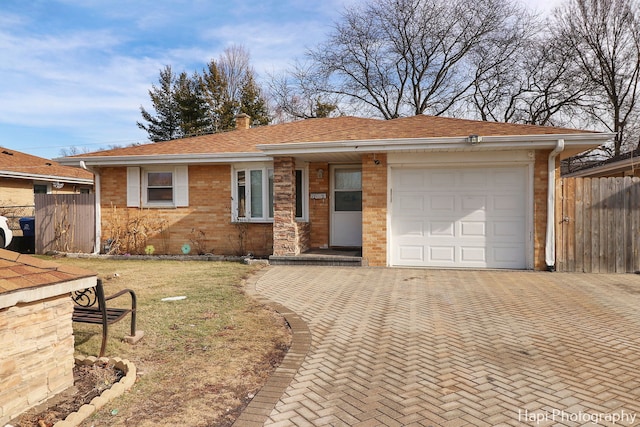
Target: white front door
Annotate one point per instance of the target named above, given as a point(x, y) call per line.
point(459, 217)
point(346, 206)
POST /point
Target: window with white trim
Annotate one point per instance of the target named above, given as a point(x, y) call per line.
point(158, 186)
point(253, 194)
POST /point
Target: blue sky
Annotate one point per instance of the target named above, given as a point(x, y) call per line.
point(75, 72)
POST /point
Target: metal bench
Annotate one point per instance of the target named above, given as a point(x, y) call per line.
point(90, 307)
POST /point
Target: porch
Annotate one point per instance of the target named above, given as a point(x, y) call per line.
point(342, 257)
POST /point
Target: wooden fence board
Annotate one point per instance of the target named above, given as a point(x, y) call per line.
point(595, 229)
point(578, 232)
point(628, 209)
point(599, 227)
point(65, 222)
point(586, 226)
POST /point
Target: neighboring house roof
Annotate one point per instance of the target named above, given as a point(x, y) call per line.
point(40, 278)
point(624, 163)
point(343, 134)
point(14, 164)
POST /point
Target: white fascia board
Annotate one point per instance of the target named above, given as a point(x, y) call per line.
point(38, 293)
point(458, 143)
point(173, 159)
point(47, 178)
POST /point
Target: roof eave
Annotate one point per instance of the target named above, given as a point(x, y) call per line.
point(173, 159)
point(586, 140)
point(47, 178)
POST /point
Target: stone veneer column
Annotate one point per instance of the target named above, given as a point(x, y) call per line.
point(285, 230)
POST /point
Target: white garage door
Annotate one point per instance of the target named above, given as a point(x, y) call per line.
point(471, 217)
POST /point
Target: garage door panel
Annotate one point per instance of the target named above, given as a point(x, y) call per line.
point(411, 202)
point(409, 229)
point(511, 230)
point(507, 203)
point(466, 217)
point(473, 229)
point(411, 254)
point(506, 179)
point(439, 178)
point(441, 204)
point(473, 179)
point(506, 254)
point(470, 204)
point(410, 179)
point(442, 228)
point(444, 254)
point(473, 254)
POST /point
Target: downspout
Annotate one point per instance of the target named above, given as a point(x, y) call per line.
point(550, 243)
point(96, 189)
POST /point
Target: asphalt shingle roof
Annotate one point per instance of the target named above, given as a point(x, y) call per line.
point(332, 130)
point(20, 271)
point(16, 162)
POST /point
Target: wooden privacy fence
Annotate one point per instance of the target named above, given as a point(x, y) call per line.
point(65, 223)
point(598, 225)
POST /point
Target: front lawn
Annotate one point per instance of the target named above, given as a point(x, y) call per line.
point(201, 358)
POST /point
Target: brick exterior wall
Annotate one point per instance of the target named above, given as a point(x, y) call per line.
point(540, 181)
point(205, 223)
point(319, 208)
point(16, 192)
point(36, 355)
point(374, 209)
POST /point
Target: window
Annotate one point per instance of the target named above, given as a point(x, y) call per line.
point(253, 194)
point(158, 186)
point(348, 190)
point(40, 188)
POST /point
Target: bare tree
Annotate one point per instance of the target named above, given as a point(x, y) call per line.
point(538, 84)
point(408, 57)
point(605, 38)
point(234, 64)
point(229, 86)
point(299, 94)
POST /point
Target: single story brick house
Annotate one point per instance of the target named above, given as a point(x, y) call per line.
point(419, 191)
point(23, 175)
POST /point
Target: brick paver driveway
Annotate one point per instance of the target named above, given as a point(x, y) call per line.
point(449, 348)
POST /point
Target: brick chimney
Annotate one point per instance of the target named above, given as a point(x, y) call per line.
point(243, 121)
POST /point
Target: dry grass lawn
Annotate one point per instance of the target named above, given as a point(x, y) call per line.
point(201, 358)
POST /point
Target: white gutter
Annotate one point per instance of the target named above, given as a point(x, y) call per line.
point(550, 243)
point(155, 159)
point(502, 142)
point(97, 212)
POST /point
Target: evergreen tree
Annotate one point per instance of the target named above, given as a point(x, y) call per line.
point(165, 125)
point(187, 106)
point(221, 107)
point(192, 106)
point(252, 102)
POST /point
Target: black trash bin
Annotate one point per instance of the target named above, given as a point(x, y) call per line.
point(27, 225)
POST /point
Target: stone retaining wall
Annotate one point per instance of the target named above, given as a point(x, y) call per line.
point(36, 355)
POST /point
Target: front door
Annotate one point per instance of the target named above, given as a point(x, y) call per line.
point(346, 206)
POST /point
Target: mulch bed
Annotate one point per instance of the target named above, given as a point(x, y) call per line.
point(89, 381)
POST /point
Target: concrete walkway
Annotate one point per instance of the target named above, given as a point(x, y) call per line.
point(451, 348)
